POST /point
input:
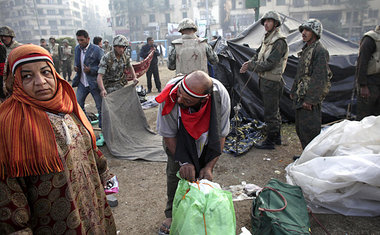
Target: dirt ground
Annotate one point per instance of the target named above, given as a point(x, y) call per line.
point(142, 194)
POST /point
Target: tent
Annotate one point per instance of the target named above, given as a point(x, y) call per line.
point(244, 88)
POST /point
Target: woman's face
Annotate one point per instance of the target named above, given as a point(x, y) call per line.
point(38, 80)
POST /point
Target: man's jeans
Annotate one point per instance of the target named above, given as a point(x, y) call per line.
point(82, 93)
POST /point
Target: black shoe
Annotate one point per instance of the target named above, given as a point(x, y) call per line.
point(159, 90)
point(277, 140)
point(266, 144)
point(296, 157)
point(149, 91)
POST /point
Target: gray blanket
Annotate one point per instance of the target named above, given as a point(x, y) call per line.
point(126, 130)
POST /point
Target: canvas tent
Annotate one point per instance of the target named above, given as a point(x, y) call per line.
point(233, 53)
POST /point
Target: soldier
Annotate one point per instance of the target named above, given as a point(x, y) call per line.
point(66, 59)
point(368, 75)
point(190, 53)
point(55, 53)
point(106, 47)
point(312, 82)
point(6, 35)
point(113, 66)
point(112, 71)
point(270, 64)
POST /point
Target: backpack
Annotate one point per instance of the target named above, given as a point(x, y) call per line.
point(280, 208)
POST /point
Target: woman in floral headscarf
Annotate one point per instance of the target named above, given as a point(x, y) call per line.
point(51, 173)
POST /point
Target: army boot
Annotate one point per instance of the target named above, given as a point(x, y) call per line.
point(277, 139)
point(268, 143)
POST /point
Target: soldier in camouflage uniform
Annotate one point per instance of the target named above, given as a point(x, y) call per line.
point(6, 35)
point(368, 75)
point(66, 59)
point(112, 68)
point(55, 54)
point(190, 53)
point(106, 46)
point(270, 64)
point(312, 82)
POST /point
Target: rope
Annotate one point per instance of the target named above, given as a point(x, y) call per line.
point(282, 197)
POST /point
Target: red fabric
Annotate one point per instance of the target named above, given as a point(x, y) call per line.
point(195, 123)
point(2, 69)
point(143, 66)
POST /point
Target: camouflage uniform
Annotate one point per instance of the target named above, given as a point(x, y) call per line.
point(270, 65)
point(107, 48)
point(311, 85)
point(54, 51)
point(190, 52)
point(368, 74)
point(66, 61)
point(7, 31)
point(113, 70)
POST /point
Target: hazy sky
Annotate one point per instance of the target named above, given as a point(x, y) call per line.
point(103, 6)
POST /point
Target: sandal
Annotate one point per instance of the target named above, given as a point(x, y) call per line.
point(164, 231)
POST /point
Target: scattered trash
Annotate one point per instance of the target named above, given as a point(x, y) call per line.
point(245, 231)
point(266, 159)
point(243, 191)
point(277, 172)
point(112, 200)
point(149, 103)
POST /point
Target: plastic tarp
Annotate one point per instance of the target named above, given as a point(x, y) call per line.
point(339, 170)
point(233, 53)
point(126, 130)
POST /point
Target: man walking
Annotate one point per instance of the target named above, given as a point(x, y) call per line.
point(66, 59)
point(270, 64)
point(86, 64)
point(153, 68)
point(312, 82)
point(193, 119)
point(190, 52)
point(368, 75)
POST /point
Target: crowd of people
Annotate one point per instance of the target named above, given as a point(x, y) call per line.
point(52, 174)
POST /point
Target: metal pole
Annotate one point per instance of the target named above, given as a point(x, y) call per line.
point(35, 13)
point(207, 23)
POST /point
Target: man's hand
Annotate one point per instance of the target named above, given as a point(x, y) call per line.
point(206, 173)
point(187, 172)
point(307, 106)
point(135, 81)
point(291, 96)
point(244, 67)
point(86, 69)
point(364, 92)
point(103, 93)
point(76, 69)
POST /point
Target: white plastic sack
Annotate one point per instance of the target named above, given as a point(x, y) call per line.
point(339, 171)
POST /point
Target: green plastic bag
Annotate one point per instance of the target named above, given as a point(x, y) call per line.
point(280, 209)
point(197, 213)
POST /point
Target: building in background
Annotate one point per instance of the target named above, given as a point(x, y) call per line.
point(347, 18)
point(35, 19)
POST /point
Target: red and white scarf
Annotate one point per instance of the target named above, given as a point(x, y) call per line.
point(195, 123)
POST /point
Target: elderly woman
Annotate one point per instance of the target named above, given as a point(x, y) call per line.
point(51, 174)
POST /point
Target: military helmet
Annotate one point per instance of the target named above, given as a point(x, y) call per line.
point(7, 31)
point(120, 40)
point(105, 41)
point(187, 24)
point(65, 41)
point(313, 25)
point(271, 15)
